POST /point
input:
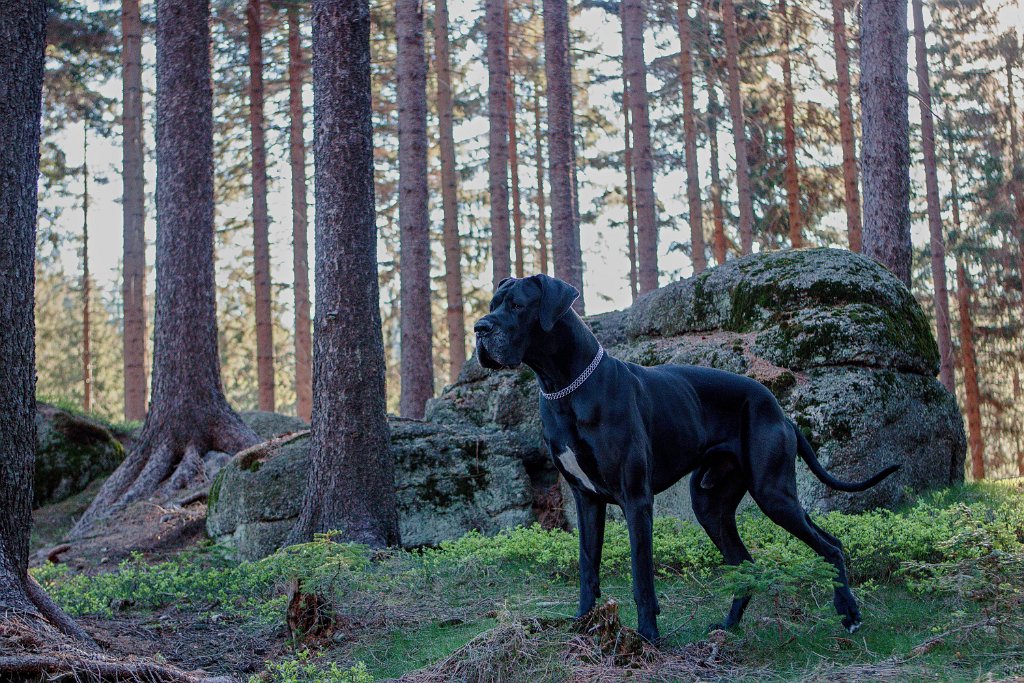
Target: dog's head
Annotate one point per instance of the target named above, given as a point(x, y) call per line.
point(522, 310)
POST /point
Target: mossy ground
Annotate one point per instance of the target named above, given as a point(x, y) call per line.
point(940, 594)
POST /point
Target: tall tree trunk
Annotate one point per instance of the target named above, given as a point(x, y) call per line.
point(720, 244)
point(700, 261)
point(513, 168)
point(975, 438)
point(851, 189)
point(22, 44)
point(633, 63)
point(938, 242)
point(497, 115)
point(630, 193)
point(1016, 165)
point(413, 212)
point(260, 219)
point(261, 243)
point(449, 194)
point(796, 237)
point(300, 242)
point(885, 134)
point(133, 206)
point(86, 280)
point(188, 414)
point(566, 250)
point(739, 134)
point(351, 484)
point(538, 142)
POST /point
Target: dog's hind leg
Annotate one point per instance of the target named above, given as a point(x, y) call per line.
point(782, 507)
point(715, 509)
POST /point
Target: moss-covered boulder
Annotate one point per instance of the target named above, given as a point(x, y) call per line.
point(448, 481)
point(71, 451)
point(841, 343)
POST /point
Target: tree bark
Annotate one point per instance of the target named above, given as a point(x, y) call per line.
point(633, 63)
point(938, 242)
point(449, 194)
point(739, 135)
point(851, 190)
point(630, 193)
point(885, 134)
point(351, 480)
point(973, 396)
point(260, 219)
point(513, 168)
point(22, 45)
point(133, 206)
point(300, 222)
point(86, 280)
point(413, 212)
point(796, 238)
point(700, 261)
point(538, 142)
point(566, 249)
point(188, 414)
point(497, 115)
point(720, 243)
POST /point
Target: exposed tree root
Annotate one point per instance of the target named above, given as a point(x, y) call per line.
point(167, 460)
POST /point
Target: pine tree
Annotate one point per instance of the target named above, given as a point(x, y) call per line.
point(416, 327)
point(851, 187)
point(796, 239)
point(739, 135)
point(133, 207)
point(351, 479)
point(497, 162)
point(693, 197)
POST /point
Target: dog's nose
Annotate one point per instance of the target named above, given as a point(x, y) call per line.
point(483, 327)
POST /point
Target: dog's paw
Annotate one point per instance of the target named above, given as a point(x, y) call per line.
point(851, 624)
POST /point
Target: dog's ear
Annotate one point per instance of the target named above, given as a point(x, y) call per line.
point(556, 298)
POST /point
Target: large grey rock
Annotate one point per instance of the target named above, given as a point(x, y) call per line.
point(842, 344)
point(449, 480)
point(71, 452)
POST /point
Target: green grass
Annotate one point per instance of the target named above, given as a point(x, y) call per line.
point(949, 568)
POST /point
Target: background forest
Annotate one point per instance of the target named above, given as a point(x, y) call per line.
point(796, 96)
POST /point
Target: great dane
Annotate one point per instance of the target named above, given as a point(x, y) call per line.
point(620, 433)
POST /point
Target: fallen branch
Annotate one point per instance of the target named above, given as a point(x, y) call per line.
point(33, 665)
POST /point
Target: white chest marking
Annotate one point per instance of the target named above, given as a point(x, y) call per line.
point(568, 460)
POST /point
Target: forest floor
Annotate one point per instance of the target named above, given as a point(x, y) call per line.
point(941, 586)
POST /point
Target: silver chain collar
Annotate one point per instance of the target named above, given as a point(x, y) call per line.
point(562, 393)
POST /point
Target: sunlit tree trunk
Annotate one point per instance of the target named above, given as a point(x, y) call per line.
point(796, 238)
point(700, 261)
point(497, 161)
point(938, 241)
point(851, 190)
point(630, 198)
point(739, 134)
point(566, 251)
point(300, 242)
point(542, 219)
point(351, 486)
point(133, 208)
point(188, 414)
point(643, 160)
point(885, 134)
point(973, 396)
point(86, 280)
point(1016, 165)
point(455, 315)
point(260, 218)
point(720, 244)
point(413, 212)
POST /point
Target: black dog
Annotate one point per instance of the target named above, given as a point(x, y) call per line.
point(620, 433)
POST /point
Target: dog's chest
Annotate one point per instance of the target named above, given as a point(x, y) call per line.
point(578, 467)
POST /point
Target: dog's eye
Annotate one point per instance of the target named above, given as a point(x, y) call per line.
point(514, 306)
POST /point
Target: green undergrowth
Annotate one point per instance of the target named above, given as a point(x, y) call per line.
point(941, 585)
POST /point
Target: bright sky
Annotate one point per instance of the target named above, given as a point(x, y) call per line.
point(606, 276)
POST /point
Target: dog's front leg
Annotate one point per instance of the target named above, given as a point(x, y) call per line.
point(590, 516)
point(639, 513)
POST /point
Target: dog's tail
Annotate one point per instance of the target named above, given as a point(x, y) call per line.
point(806, 452)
